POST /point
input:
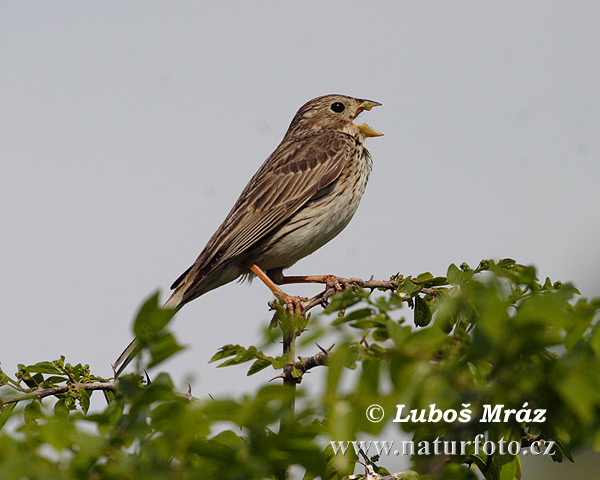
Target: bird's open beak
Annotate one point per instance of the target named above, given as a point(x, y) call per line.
point(363, 127)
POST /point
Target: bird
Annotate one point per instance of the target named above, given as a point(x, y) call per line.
point(304, 194)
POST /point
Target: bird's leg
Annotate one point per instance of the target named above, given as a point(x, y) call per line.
point(293, 303)
point(331, 281)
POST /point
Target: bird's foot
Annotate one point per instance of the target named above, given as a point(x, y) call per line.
point(293, 304)
point(330, 281)
point(340, 283)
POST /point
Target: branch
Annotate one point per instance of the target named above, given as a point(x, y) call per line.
point(304, 364)
point(40, 393)
point(47, 392)
point(321, 298)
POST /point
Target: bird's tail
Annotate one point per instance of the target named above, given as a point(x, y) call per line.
point(126, 357)
point(174, 302)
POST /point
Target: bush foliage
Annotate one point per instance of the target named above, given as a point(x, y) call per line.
point(493, 335)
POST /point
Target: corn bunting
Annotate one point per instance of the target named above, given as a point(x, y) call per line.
point(302, 196)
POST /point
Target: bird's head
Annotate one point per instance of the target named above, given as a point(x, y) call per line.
point(333, 113)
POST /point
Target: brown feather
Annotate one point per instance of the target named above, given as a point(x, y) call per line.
point(299, 169)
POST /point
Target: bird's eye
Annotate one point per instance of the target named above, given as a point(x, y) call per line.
point(337, 107)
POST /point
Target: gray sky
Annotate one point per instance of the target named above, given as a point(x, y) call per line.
point(129, 129)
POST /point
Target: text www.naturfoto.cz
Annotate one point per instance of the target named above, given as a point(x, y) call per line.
point(444, 447)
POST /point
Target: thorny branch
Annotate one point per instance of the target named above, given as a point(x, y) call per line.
point(330, 291)
point(303, 365)
point(321, 299)
point(40, 393)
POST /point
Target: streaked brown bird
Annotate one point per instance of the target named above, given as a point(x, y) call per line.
point(301, 197)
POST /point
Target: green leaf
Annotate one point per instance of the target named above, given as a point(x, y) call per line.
point(509, 468)
point(151, 318)
point(109, 396)
point(408, 287)
point(33, 381)
point(259, 365)
point(57, 433)
point(375, 321)
point(32, 412)
point(4, 379)
point(428, 280)
point(162, 348)
point(54, 380)
point(423, 277)
point(226, 351)
point(595, 339)
point(422, 312)
point(562, 448)
point(344, 300)
point(84, 400)
point(44, 367)
point(506, 263)
point(356, 314)
point(479, 461)
point(456, 276)
point(580, 389)
point(60, 408)
point(340, 357)
point(6, 412)
point(380, 334)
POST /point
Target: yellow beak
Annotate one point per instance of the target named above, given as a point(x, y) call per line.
point(368, 105)
point(366, 130)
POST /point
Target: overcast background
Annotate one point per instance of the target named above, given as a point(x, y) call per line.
point(127, 131)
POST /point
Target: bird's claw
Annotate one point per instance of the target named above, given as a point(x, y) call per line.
point(294, 305)
point(340, 283)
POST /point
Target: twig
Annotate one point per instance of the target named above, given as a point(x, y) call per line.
point(289, 349)
point(188, 396)
point(303, 365)
point(330, 291)
point(321, 298)
point(47, 392)
point(40, 393)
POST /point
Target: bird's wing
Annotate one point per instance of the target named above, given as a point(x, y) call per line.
point(289, 178)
